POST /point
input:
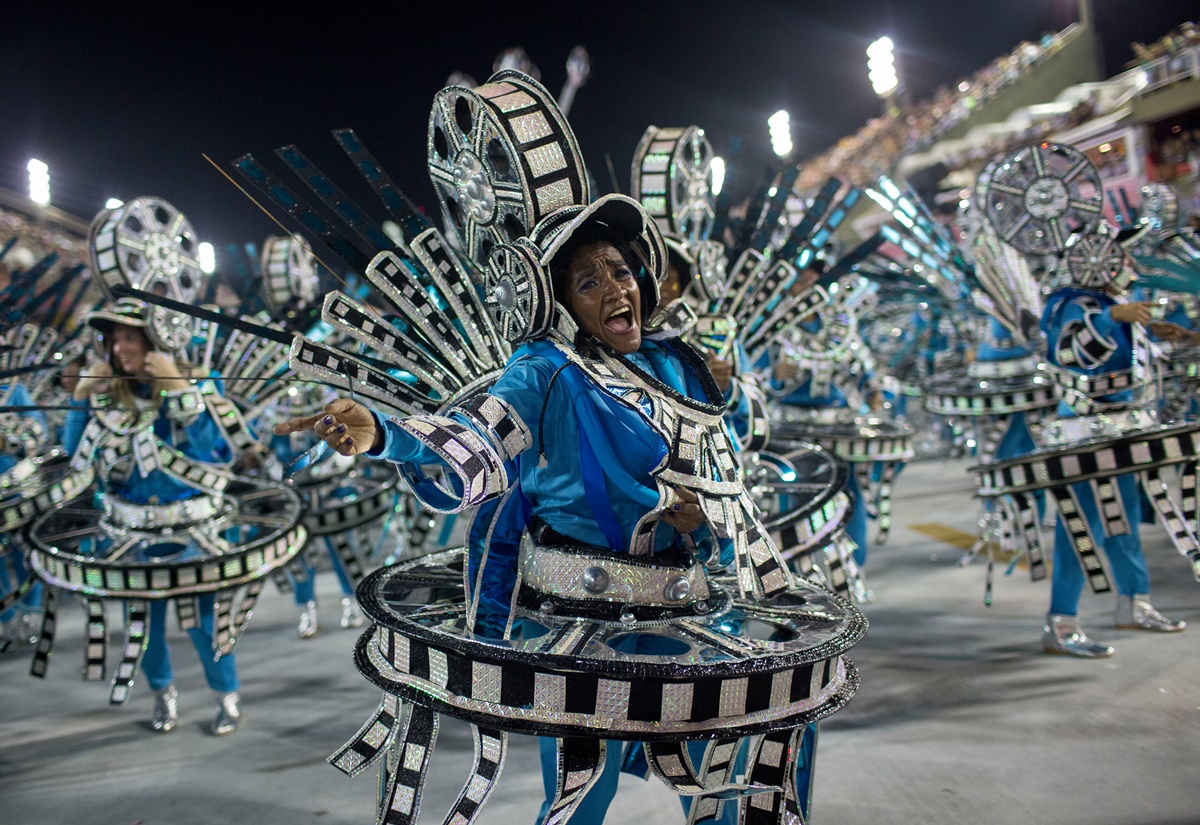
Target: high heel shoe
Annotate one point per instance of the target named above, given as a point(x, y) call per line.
point(1061, 634)
point(1136, 613)
point(166, 709)
point(308, 621)
point(229, 715)
point(351, 616)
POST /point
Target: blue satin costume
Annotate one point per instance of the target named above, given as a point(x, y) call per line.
point(587, 475)
point(1124, 553)
point(19, 397)
point(201, 440)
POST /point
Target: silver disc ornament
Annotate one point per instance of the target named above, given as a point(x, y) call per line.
point(517, 291)
point(673, 179)
point(501, 156)
point(1040, 195)
point(150, 245)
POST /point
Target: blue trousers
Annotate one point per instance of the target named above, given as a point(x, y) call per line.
point(306, 590)
point(221, 675)
point(856, 528)
point(1125, 557)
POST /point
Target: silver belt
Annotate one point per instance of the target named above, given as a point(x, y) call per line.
point(569, 573)
point(1104, 425)
point(128, 515)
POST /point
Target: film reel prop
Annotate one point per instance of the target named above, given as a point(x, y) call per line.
point(150, 245)
point(743, 669)
point(501, 157)
point(1037, 197)
point(673, 179)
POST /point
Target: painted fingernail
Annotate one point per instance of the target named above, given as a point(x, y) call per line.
point(341, 428)
point(675, 507)
point(328, 420)
point(349, 441)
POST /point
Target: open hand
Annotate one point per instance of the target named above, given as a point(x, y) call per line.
point(92, 379)
point(1134, 312)
point(684, 513)
point(346, 426)
point(1166, 331)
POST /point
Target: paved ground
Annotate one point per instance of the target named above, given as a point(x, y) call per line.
point(960, 718)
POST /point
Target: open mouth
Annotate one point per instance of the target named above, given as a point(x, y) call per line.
point(620, 322)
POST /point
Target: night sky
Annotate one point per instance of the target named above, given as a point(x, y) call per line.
point(124, 103)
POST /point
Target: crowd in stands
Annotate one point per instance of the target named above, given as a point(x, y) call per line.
point(1173, 43)
point(873, 150)
point(34, 241)
point(1178, 156)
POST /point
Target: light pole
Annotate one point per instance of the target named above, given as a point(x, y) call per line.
point(39, 182)
point(718, 174)
point(779, 125)
point(881, 70)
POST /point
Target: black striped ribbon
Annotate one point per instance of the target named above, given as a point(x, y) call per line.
point(1071, 513)
point(491, 745)
point(413, 749)
point(580, 763)
point(137, 629)
point(45, 643)
point(96, 650)
point(372, 739)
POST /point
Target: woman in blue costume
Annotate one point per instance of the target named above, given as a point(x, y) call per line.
point(30, 428)
point(288, 449)
point(783, 375)
point(1089, 332)
point(139, 376)
point(577, 461)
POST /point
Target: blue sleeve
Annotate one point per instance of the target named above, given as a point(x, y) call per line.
point(523, 386)
point(20, 397)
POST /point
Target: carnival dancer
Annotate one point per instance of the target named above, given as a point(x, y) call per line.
point(23, 434)
point(139, 376)
point(581, 461)
point(1091, 331)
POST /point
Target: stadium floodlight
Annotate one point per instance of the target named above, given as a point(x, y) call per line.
point(39, 182)
point(781, 133)
point(208, 258)
point(114, 203)
point(881, 67)
point(718, 174)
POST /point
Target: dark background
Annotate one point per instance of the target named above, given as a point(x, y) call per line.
point(123, 103)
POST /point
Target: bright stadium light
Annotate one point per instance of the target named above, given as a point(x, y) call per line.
point(881, 67)
point(208, 258)
point(718, 174)
point(114, 203)
point(39, 182)
point(781, 133)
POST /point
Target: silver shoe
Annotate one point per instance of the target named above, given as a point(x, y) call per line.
point(166, 709)
point(1136, 613)
point(1061, 634)
point(228, 714)
point(308, 621)
point(351, 615)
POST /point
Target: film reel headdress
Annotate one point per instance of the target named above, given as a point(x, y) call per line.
point(673, 179)
point(150, 245)
point(1095, 261)
point(1040, 195)
point(501, 157)
point(518, 291)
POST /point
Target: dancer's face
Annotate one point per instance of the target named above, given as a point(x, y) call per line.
point(129, 349)
point(603, 296)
